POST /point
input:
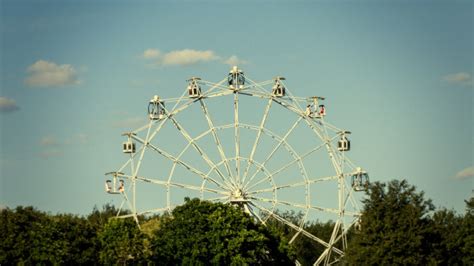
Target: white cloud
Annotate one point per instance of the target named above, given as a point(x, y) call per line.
point(235, 61)
point(187, 57)
point(465, 173)
point(461, 78)
point(49, 141)
point(8, 105)
point(49, 74)
point(151, 53)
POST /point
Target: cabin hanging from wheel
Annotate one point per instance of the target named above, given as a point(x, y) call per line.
point(128, 146)
point(344, 144)
point(194, 90)
point(278, 89)
point(156, 108)
point(114, 185)
point(236, 79)
point(360, 180)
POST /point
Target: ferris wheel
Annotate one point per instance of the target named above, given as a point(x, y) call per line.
point(252, 144)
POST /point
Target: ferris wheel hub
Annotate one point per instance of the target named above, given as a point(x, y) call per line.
point(238, 196)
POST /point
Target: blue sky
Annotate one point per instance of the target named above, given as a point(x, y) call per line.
point(75, 75)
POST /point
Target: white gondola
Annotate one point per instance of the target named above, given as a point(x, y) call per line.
point(194, 90)
point(278, 89)
point(156, 108)
point(360, 180)
point(128, 147)
point(322, 110)
point(236, 78)
point(344, 144)
point(111, 185)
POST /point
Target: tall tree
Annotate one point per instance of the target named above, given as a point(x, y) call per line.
point(28, 236)
point(201, 233)
point(468, 233)
point(395, 227)
point(122, 242)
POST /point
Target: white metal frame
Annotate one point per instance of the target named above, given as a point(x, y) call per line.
point(238, 185)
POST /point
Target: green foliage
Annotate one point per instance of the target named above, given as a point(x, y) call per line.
point(33, 237)
point(395, 227)
point(307, 251)
point(201, 233)
point(467, 233)
point(122, 243)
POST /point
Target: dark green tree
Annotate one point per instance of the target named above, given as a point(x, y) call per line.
point(201, 233)
point(307, 251)
point(468, 234)
point(122, 243)
point(395, 227)
point(28, 236)
point(77, 237)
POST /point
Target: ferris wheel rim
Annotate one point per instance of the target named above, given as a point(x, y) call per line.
point(318, 126)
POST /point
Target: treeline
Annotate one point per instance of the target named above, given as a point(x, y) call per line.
point(398, 226)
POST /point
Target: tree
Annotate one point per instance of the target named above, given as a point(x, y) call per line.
point(201, 233)
point(468, 233)
point(395, 227)
point(122, 242)
point(77, 237)
point(307, 251)
point(28, 236)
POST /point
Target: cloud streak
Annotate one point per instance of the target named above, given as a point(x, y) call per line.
point(151, 53)
point(49, 74)
point(465, 173)
point(187, 57)
point(48, 141)
point(460, 78)
point(234, 61)
point(8, 105)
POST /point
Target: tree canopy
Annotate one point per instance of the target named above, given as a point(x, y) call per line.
point(201, 232)
point(399, 226)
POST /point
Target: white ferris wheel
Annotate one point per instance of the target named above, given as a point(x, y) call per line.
point(253, 144)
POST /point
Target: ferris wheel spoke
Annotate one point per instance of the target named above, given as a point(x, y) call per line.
point(170, 113)
point(237, 135)
point(218, 198)
point(255, 214)
point(274, 150)
point(211, 164)
point(288, 165)
point(296, 227)
point(178, 185)
point(303, 206)
point(216, 139)
point(282, 202)
point(292, 185)
point(259, 85)
point(214, 85)
point(185, 165)
point(257, 139)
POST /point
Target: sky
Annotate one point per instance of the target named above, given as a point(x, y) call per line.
point(74, 75)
